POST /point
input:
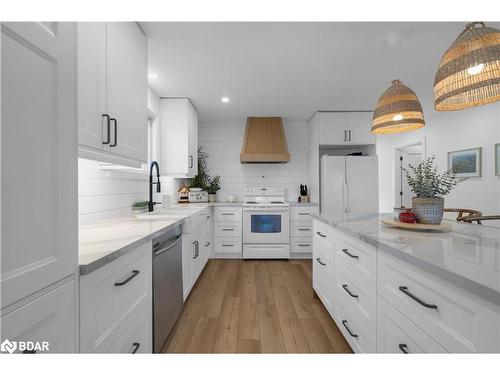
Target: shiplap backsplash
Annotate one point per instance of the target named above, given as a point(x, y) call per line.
point(104, 193)
point(223, 143)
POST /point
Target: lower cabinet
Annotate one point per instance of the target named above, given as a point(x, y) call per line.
point(115, 300)
point(196, 247)
point(397, 334)
point(228, 241)
point(48, 322)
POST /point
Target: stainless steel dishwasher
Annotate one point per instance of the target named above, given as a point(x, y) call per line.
point(167, 284)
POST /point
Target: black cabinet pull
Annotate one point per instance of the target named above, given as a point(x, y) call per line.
point(136, 347)
point(349, 292)
point(403, 348)
point(228, 229)
point(345, 135)
point(304, 229)
point(224, 245)
point(351, 255)
point(304, 245)
point(320, 262)
point(349, 135)
point(108, 129)
point(228, 213)
point(190, 161)
point(344, 322)
point(303, 213)
point(134, 274)
point(321, 234)
point(404, 289)
point(116, 132)
point(29, 351)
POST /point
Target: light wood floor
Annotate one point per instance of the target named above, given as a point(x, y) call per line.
point(259, 306)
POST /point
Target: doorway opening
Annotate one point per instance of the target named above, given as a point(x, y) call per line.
point(404, 156)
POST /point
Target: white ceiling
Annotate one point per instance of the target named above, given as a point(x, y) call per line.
point(293, 69)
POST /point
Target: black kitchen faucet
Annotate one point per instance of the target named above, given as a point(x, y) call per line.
point(151, 183)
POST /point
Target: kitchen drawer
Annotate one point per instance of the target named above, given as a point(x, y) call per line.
point(360, 339)
point(301, 229)
point(301, 245)
point(323, 279)
point(302, 213)
point(453, 317)
point(227, 213)
point(137, 337)
point(396, 334)
point(107, 309)
point(357, 259)
point(49, 318)
point(228, 245)
point(361, 302)
point(229, 229)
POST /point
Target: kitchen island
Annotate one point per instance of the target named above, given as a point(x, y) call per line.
point(398, 290)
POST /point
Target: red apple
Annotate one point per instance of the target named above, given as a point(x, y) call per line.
point(407, 217)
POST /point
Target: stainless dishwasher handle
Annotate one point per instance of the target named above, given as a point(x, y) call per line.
point(168, 246)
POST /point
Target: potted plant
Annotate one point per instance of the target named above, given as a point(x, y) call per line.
point(202, 179)
point(212, 188)
point(430, 187)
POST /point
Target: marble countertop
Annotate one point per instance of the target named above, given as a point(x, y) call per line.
point(104, 241)
point(468, 255)
point(301, 204)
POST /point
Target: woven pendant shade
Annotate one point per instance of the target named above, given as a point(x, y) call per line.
point(398, 110)
point(469, 72)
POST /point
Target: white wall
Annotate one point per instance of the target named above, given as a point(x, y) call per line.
point(444, 132)
point(105, 193)
point(223, 143)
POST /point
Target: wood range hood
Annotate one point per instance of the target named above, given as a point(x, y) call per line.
point(264, 142)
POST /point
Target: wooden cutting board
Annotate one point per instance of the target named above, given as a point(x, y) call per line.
point(443, 227)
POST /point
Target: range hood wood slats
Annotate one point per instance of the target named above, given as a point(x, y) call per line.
point(264, 141)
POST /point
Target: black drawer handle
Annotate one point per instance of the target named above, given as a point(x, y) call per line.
point(304, 245)
point(228, 213)
point(116, 132)
point(403, 348)
point(304, 228)
point(344, 322)
point(321, 234)
point(224, 245)
point(136, 347)
point(207, 244)
point(349, 292)
point(134, 274)
point(320, 262)
point(228, 229)
point(303, 213)
point(190, 162)
point(29, 351)
point(351, 255)
point(404, 289)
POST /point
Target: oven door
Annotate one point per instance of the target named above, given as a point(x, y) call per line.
point(266, 225)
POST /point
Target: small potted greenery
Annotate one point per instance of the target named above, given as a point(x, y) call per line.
point(212, 188)
point(430, 187)
point(139, 207)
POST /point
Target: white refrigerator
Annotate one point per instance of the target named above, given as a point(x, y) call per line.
point(349, 184)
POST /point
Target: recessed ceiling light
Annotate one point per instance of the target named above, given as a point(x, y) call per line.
point(225, 99)
point(152, 76)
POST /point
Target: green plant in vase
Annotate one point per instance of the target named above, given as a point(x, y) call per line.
point(202, 179)
point(212, 188)
point(430, 188)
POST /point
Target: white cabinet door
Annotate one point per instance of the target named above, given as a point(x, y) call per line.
point(193, 140)
point(179, 138)
point(126, 60)
point(93, 129)
point(49, 318)
point(359, 126)
point(332, 128)
point(39, 157)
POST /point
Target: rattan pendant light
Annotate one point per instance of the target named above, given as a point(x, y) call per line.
point(398, 110)
point(469, 72)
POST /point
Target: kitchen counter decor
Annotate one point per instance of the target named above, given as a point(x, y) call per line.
point(430, 187)
point(469, 72)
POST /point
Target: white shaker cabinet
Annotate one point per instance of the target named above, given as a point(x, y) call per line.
point(179, 138)
point(39, 205)
point(112, 92)
point(343, 128)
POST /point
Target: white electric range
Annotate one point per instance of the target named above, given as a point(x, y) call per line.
point(266, 223)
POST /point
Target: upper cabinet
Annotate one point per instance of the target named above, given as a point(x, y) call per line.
point(179, 138)
point(341, 128)
point(112, 92)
